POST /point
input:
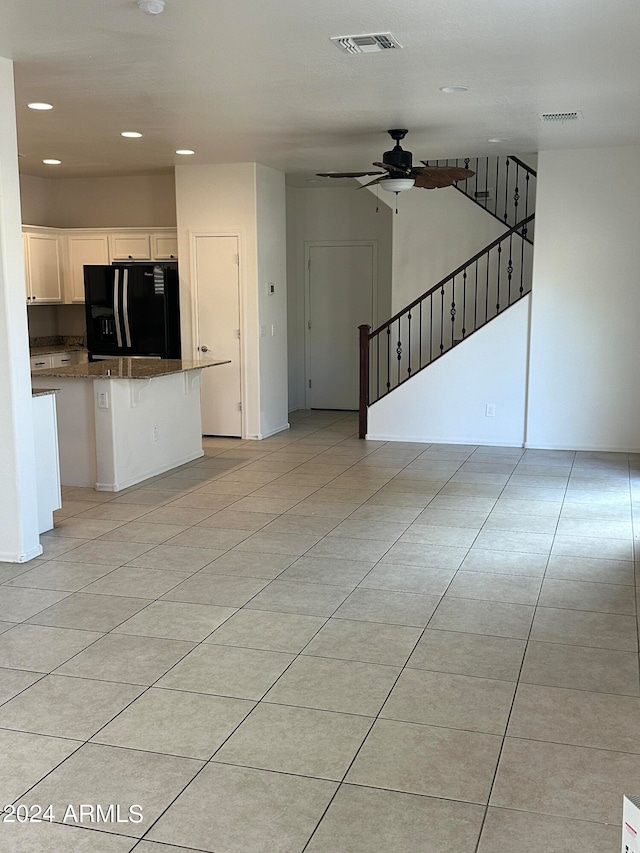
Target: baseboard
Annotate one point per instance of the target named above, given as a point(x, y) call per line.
point(31, 554)
point(586, 448)
point(274, 431)
point(420, 439)
point(175, 463)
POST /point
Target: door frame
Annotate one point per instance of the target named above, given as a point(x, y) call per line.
point(193, 271)
point(308, 246)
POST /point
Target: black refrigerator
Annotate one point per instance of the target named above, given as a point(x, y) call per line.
point(132, 310)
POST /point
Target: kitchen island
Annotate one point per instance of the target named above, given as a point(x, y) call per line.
point(123, 420)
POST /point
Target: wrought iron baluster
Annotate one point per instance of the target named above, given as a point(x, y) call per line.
point(420, 336)
point(388, 359)
point(399, 349)
point(506, 192)
point(498, 282)
point(486, 183)
point(516, 195)
point(377, 367)
point(442, 319)
point(464, 303)
point(522, 244)
point(475, 301)
point(526, 206)
point(430, 328)
point(509, 269)
point(453, 310)
point(495, 200)
point(409, 342)
point(486, 288)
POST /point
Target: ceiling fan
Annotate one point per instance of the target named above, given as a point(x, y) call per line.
point(400, 173)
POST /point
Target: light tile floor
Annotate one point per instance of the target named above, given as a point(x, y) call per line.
point(316, 643)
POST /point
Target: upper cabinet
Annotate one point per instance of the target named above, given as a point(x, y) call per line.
point(55, 258)
point(164, 247)
point(130, 247)
point(43, 266)
point(83, 249)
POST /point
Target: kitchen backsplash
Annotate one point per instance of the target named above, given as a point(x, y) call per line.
point(58, 340)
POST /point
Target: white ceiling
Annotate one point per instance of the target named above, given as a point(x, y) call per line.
point(248, 80)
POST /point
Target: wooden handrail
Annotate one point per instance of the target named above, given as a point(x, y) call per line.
point(448, 278)
point(524, 165)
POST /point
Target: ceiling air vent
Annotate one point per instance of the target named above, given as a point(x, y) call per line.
point(369, 43)
point(560, 117)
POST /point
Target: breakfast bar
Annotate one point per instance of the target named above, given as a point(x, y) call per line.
point(123, 420)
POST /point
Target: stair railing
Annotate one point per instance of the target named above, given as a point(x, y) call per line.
point(452, 310)
point(503, 186)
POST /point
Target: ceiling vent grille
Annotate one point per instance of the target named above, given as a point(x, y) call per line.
point(560, 117)
point(369, 43)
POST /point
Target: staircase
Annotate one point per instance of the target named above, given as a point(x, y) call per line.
point(495, 278)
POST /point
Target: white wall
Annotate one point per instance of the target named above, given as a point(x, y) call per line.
point(585, 344)
point(35, 200)
point(272, 269)
point(447, 401)
point(329, 213)
point(19, 539)
point(224, 199)
point(434, 232)
point(117, 202)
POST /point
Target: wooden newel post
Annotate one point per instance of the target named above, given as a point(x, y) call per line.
point(364, 380)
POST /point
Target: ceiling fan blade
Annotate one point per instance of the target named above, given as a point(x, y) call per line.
point(434, 177)
point(374, 181)
point(395, 170)
point(458, 173)
point(346, 174)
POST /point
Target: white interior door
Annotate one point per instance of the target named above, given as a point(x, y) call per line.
point(341, 294)
point(217, 276)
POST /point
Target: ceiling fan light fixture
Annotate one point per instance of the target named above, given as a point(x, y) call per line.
point(396, 185)
point(151, 7)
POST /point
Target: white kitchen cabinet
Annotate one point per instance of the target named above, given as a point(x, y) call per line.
point(164, 247)
point(55, 359)
point(83, 249)
point(43, 266)
point(40, 361)
point(130, 247)
point(63, 359)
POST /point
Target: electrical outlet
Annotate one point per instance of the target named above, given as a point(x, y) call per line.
point(154, 434)
point(490, 410)
point(103, 400)
point(274, 329)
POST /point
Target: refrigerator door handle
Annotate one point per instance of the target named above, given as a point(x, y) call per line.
point(125, 308)
point(116, 305)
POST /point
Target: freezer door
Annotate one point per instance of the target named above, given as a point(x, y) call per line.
point(144, 310)
point(146, 302)
point(103, 309)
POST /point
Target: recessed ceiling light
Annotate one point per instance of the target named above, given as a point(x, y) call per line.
point(184, 151)
point(454, 90)
point(52, 162)
point(131, 134)
point(497, 139)
point(37, 105)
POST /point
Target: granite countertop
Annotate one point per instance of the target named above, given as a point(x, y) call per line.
point(126, 368)
point(57, 343)
point(40, 392)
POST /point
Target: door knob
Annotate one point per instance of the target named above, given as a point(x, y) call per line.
point(204, 348)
